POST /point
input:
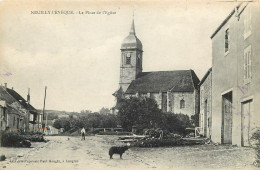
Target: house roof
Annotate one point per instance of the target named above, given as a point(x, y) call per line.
point(11, 96)
point(228, 17)
point(205, 76)
point(163, 81)
point(21, 100)
point(6, 96)
point(9, 101)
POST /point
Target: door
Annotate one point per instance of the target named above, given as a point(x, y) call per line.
point(245, 117)
point(226, 135)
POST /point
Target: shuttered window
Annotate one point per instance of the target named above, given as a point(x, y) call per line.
point(247, 65)
point(227, 39)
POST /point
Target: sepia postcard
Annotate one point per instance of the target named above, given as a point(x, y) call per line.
point(129, 84)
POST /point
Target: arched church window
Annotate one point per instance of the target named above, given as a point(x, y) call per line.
point(182, 104)
point(128, 58)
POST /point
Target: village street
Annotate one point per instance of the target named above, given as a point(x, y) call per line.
point(63, 152)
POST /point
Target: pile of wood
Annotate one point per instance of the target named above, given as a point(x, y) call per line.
point(35, 138)
point(146, 141)
point(132, 138)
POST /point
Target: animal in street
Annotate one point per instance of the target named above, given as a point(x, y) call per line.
point(117, 150)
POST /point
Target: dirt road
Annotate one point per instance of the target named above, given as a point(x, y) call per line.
point(72, 153)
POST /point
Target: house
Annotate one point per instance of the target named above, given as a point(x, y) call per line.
point(235, 76)
point(18, 113)
point(49, 129)
point(174, 91)
point(205, 119)
point(3, 115)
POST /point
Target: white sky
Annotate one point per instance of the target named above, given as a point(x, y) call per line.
point(78, 56)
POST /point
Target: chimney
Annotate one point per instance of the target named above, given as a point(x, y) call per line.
point(28, 96)
point(5, 85)
point(12, 88)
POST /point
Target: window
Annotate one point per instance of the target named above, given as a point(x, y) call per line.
point(247, 65)
point(128, 58)
point(17, 123)
point(247, 22)
point(14, 122)
point(227, 39)
point(182, 104)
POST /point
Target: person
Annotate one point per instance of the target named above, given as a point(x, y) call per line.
point(83, 133)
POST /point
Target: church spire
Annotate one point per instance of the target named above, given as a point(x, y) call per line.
point(132, 31)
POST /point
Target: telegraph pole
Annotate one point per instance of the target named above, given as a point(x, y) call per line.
point(44, 107)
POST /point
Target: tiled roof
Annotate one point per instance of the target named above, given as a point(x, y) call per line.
point(21, 100)
point(5, 96)
point(162, 81)
point(11, 96)
point(205, 76)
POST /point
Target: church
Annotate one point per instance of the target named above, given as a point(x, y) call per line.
point(174, 91)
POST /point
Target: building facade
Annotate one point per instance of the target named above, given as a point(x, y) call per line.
point(3, 115)
point(16, 113)
point(205, 119)
point(235, 76)
point(175, 91)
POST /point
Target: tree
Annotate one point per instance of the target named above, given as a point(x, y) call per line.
point(62, 123)
point(142, 112)
point(110, 121)
point(85, 112)
point(104, 111)
point(175, 122)
point(195, 119)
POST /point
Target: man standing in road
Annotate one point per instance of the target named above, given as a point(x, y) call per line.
point(83, 133)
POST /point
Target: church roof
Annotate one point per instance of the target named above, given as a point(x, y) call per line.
point(163, 81)
point(131, 41)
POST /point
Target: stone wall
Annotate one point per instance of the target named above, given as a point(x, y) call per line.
point(170, 102)
point(128, 72)
point(189, 100)
point(205, 106)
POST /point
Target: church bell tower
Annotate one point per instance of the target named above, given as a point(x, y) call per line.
point(131, 59)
